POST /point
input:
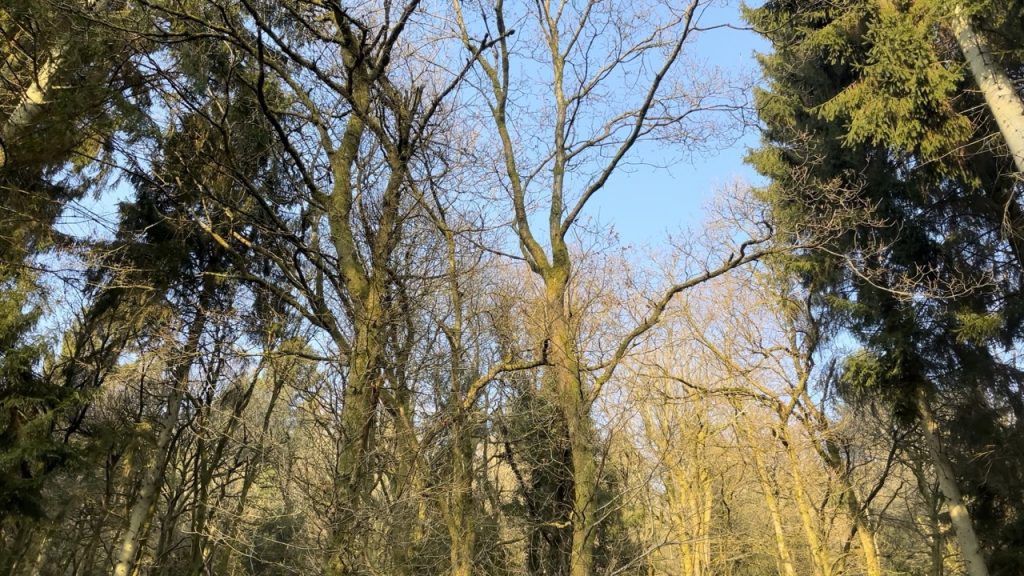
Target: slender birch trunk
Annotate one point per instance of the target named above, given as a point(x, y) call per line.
point(1002, 99)
point(817, 425)
point(865, 535)
point(960, 517)
point(142, 510)
point(704, 545)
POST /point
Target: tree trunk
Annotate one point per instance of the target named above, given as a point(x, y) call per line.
point(865, 533)
point(1003, 102)
point(817, 425)
point(206, 468)
point(970, 550)
point(142, 510)
point(703, 546)
point(461, 527)
point(21, 549)
point(785, 558)
point(358, 421)
point(251, 471)
point(819, 554)
point(574, 407)
point(691, 498)
point(584, 521)
point(31, 104)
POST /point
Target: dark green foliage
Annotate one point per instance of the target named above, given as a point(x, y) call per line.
point(544, 484)
point(51, 138)
point(870, 125)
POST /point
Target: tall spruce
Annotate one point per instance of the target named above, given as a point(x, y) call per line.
point(870, 120)
point(53, 141)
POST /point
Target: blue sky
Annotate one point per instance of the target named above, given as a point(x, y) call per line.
point(643, 204)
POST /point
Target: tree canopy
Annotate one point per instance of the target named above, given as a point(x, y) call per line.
point(308, 286)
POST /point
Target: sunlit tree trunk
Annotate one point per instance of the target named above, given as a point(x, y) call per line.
point(31, 103)
point(819, 554)
point(865, 532)
point(960, 517)
point(251, 470)
point(573, 403)
point(817, 426)
point(461, 526)
point(1003, 101)
point(365, 283)
point(144, 507)
point(207, 466)
point(693, 503)
point(769, 490)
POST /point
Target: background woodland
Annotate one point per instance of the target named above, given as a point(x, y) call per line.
point(352, 316)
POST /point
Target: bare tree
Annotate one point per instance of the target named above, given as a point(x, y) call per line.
point(590, 52)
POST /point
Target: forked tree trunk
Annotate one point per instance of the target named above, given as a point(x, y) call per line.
point(785, 557)
point(819, 553)
point(865, 533)
point(691, 498)
point(250, 472)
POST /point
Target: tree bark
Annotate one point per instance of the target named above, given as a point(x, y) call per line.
point(251, 470)
point(819, 554)
point(574, 407)
point(143, 508)
point(1003, 102)
point(31, 104)
point(785, 558)
point(358, 437)
point(865, 533)
point(461, 528)
point(960, 517)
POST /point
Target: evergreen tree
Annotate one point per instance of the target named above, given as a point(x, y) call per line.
point(50, 140)
point(871, 122)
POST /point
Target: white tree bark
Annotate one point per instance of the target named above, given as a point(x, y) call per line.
point(153, 480)
point(960, 517)
point(31, 103)
point(995, 85)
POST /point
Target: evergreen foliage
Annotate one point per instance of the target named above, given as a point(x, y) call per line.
point(867, 104)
